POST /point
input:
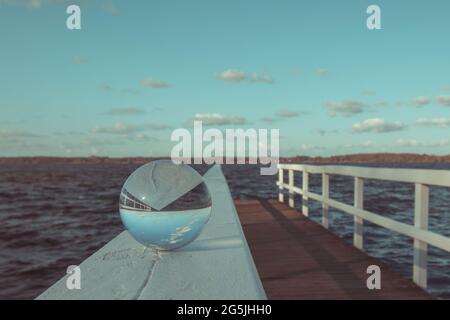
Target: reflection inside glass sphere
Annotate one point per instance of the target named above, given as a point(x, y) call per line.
point(164, 205)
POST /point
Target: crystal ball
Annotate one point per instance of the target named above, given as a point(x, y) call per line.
point(165, 205)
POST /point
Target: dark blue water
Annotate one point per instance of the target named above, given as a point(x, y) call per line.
point(56, 215)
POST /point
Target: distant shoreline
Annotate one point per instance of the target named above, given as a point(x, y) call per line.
point(352, 158)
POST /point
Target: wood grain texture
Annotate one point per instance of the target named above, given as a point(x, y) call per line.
point(297, 258)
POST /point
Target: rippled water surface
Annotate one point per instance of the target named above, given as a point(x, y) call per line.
point(52, 216)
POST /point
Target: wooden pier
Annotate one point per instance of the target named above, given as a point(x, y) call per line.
point(258, 249)
point(297, 258)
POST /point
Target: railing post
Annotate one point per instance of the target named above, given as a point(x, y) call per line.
point(358, 222)
point(280, 185)
point(325, 195)
point(291, 188)
point(422, 196)
point(305, 188)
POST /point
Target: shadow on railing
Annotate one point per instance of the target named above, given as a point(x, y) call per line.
point(422, 179)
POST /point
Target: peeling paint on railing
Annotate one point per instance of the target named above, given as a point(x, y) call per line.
point(218, 265)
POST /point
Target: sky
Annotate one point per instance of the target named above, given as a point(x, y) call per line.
point(137, 70)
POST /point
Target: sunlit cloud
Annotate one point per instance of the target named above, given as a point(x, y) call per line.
point(443, 100)
point(287, 114)
point(421, 101)
point(346, 108)
point(143, 137)
point(154, 83)
point(118, 128)
point(377, 125)
point(310, 147)
point(126, 129)
point(436, 122)
point(364, 144)
point(260, 78)
point(234, 75)
point(413, 143)
point(16, 134)
point(281, 115)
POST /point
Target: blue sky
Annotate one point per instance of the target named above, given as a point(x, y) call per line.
point(139, 69)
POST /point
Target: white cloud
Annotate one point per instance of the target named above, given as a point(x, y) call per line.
point(234, 75)
point(437, 122)
point(421, 101)
point(443, 100)
point(377, 125)
point(94, 141)
point(211, 119)
point(365, 144)
point(10, 135)
point(126, 129)
point(310, 147)
point(346, 107)
point(413, 143)
point(260, 78)
point(231, 75)
point(154, 83)
point(287, 114)
point(144, 137)
point(282, 114)
point(118, 128)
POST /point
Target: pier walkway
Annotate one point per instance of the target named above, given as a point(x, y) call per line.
point(258, 249)
point(297, 258)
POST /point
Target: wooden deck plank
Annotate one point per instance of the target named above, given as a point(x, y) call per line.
point(299, 259)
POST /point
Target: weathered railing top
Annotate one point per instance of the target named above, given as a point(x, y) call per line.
point(217, 265)
point(423, 176)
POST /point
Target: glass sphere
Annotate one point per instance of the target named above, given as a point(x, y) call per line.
point(165, 205)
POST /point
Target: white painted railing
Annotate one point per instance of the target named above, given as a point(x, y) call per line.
point(422, 179)
point(217, 265)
